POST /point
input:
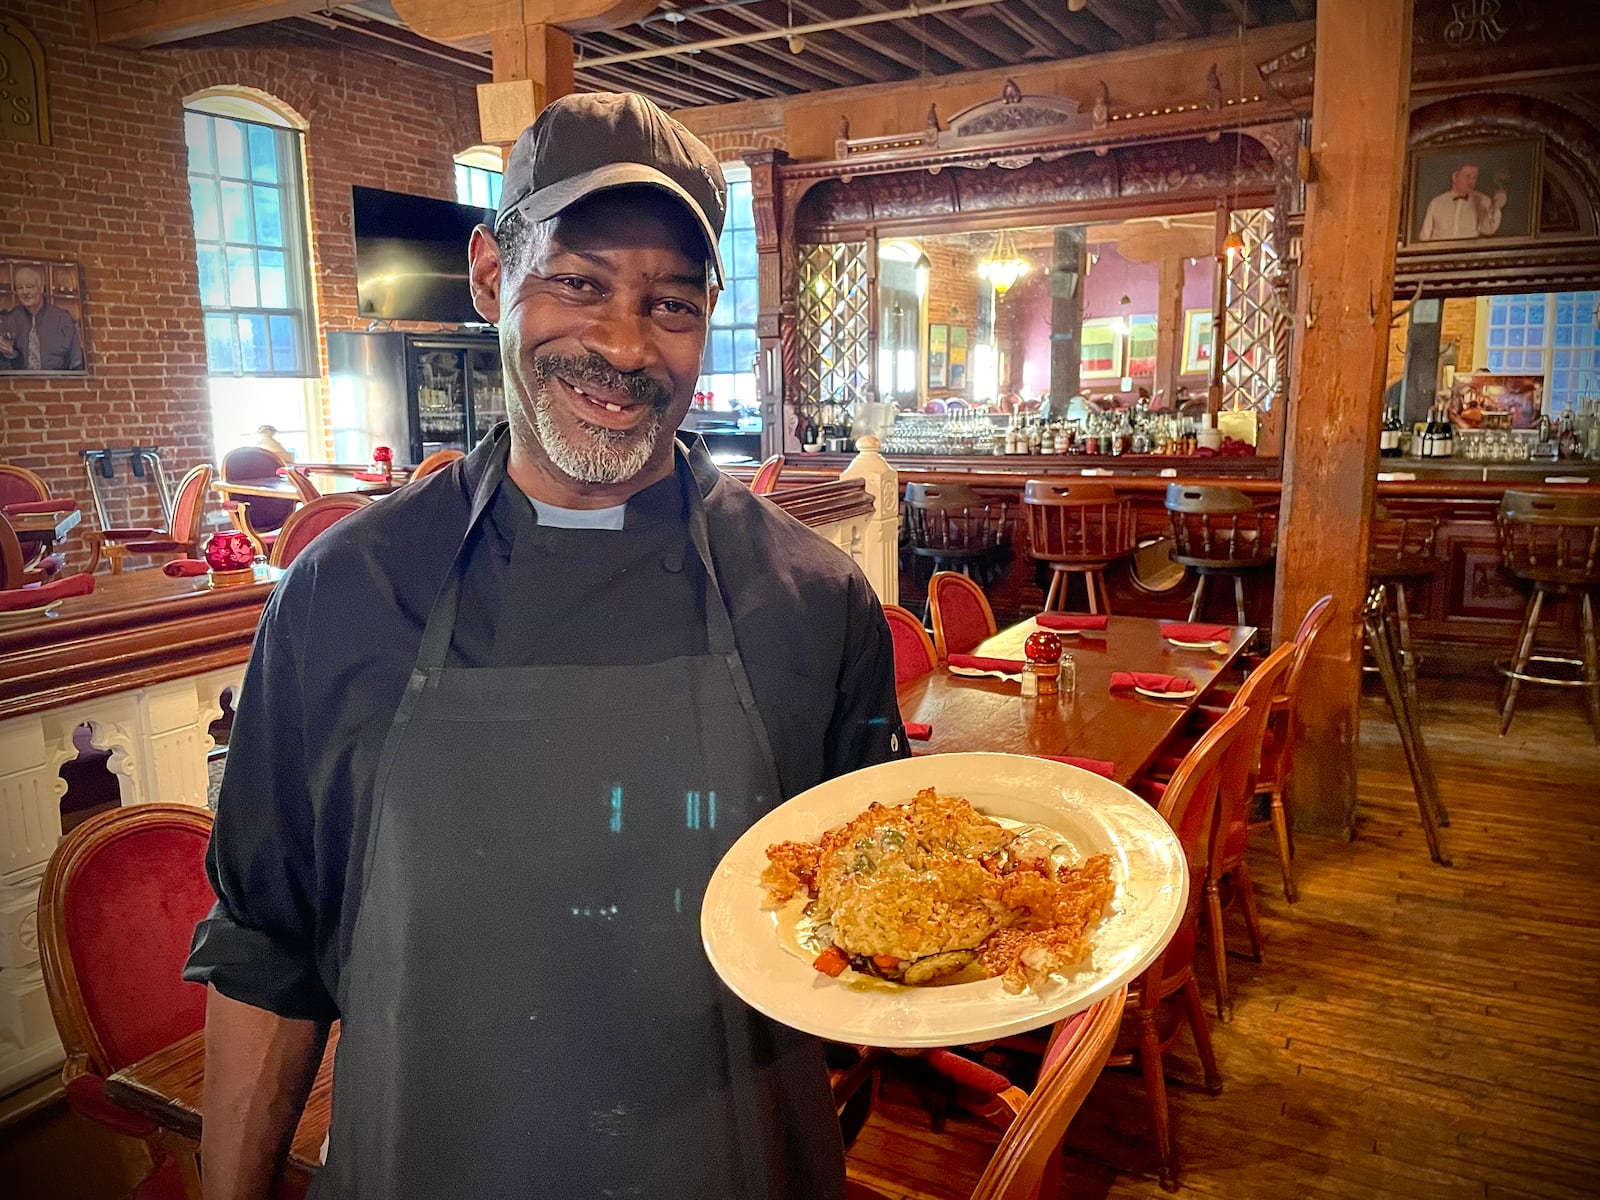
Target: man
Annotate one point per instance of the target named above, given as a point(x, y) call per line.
point(498, 730)
point(35, 335)
point(1463, 211)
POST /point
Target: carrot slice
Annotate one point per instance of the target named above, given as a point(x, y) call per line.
point(831, 962)
point(885, 962)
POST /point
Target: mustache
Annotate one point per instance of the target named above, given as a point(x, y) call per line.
point(592, 369)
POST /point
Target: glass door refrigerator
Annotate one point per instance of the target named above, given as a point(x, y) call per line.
point(416, 393)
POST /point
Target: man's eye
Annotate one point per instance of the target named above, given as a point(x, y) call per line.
point(678, 308)
point(573, 283)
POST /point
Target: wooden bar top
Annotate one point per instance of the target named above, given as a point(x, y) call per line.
point(135, 629)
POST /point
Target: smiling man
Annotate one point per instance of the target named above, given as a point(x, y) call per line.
point(499, 728)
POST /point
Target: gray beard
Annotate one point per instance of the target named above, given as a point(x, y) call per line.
point(595, 455)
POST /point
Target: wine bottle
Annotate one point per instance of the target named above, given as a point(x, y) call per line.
point(1428, 432)
point(1445, 446)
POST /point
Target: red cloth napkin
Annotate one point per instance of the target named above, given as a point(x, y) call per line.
point(974, 662)
point(1151, 681)
point(1054, 620)
point(1184, 631)
point(372, 477)
point(1098, 765)
point(180, 567)
point(918, 732)
point(16, 599)
point(59, 504)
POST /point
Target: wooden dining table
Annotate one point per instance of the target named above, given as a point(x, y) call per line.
point(41, 532)
point(275, 487)
point(1124, 728)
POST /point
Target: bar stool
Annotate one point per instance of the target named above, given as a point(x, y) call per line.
point(957, 530)
point(1553, 542)
point(1401, 552)
point(1078, 528)
point(1220, 531)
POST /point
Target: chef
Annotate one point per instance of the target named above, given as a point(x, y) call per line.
point(498, 729)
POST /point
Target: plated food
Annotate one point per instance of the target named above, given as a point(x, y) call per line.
point(932, 890)
point(764, 952)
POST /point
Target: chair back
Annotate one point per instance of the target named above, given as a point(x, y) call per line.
point(18, 485)
point(1077, 522)
point(1219, 527)
point(1402, 536)
point(117, 910)
point(1189, 806)
point(1551, 537)
point(435, 461)
point(953, 518)
point(914, 654)
point(302, 484)
point(960, 611)
point(1030, 1149)
point(1242, 764)
point(189, 506)
point(307, 521)
point(257, 462)
point(1277, 753)
point(933, 406)
point(765, 480)
point(13, 563)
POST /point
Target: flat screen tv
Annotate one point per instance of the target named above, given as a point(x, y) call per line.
point(411, 256)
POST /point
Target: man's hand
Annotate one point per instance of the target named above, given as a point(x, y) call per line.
point(259, 1070)
point(8, 346)
point(1500, 198)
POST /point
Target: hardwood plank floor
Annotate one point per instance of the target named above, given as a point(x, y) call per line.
point(1414, 1031)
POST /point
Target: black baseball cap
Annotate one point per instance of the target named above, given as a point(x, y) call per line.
point(593, 141)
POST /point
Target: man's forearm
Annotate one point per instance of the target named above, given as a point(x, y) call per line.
point(259, 1070)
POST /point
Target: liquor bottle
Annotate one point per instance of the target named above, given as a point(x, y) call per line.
point(1445, 445)
point(1425, 446)
point(1389, 437)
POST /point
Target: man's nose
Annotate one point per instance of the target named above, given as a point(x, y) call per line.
point(622, 335)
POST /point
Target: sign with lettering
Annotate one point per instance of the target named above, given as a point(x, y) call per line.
point(24, 113)
point(1474, 21)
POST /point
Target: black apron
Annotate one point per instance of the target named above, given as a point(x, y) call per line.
point(526, 1008)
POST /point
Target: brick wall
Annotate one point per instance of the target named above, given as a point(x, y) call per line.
point(111, 194)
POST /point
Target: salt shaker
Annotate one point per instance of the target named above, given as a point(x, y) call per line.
point(1069, 675)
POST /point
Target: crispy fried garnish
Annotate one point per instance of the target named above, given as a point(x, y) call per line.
point(791, 869)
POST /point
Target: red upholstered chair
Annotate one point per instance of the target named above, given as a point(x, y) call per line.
point(765, 480)
point(1167, 997)
point(307, 521)
point(117, 909)
point(182, 540)
point(438, 460)
point(18, 485)
point(1277, 752)
point(258, 516)
point(961, 614)
point(1026, 1165)
point(301, 482)
point(1228, 875)
point(913, 648)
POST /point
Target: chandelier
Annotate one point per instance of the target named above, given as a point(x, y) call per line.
point(1004, 266)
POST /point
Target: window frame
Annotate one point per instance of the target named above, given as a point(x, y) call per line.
point(724, 319)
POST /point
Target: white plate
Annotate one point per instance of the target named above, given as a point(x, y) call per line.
point(21, 616)
point(1064, 632)
point(1195, 645)
point(1094, 815)
point(980, 672)
point(1155, 695)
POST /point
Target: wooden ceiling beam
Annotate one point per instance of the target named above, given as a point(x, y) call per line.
point(468, 20)
point(1023, 29)
point(1129, 28)
point(940, 41)
point(872, 65)
point(742, 85)
point(136, 24)
point(671, 93)
point(1006, 46)
point(791, 68)
point(887, 41)
point(1181, 14)
point(1045, 11)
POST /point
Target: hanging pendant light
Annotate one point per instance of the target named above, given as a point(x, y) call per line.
point(1004, 266)
point(1233, 245)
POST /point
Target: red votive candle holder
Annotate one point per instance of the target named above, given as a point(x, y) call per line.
point(231, 555)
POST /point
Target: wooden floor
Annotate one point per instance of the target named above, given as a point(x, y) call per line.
point(1415, 1031)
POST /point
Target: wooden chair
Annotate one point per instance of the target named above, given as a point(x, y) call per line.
point(182, 540)
point(23, 493)
point(307, 521)
point(1026, 1165)
point(913, 649)
point(1283, 729)
point(438, 460)
point(957, 530)
point(1552, 541)
point(1230, 835)
point(117, 909)
point(1402, 552)
point(961, 614)
point(1220, 531)
point(18, 485)
point(259, 516)
point(1167, 997)
point(1078, 528)
point(765, 480)
point(304, 488)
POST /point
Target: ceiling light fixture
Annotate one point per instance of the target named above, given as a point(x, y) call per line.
point(1004, 266)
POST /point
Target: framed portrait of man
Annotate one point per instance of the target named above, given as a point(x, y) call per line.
point(41, 317)
point(1474, 192)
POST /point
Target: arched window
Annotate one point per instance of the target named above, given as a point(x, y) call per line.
point(246, 190)
point(478, 174)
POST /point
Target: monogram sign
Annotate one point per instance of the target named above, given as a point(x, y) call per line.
point(1474, 21)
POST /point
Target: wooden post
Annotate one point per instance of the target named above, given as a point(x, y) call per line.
point(1066, 317)
point(532, 66)
point(1169, 327)
point(1358, 142)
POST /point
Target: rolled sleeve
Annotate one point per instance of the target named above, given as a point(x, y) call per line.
point(259, 943)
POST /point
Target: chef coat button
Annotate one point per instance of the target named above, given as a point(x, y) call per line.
point(673, 563)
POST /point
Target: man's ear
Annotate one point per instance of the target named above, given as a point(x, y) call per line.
point(483, 258)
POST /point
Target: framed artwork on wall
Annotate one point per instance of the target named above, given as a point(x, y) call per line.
point(958, 356)
point(1474, 191)
point(41, 317)
point(1142, 347)
point(1197, 333)
point(1100, 350)
point(938, 355)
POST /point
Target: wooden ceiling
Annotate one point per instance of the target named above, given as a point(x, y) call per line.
point(998, 34)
